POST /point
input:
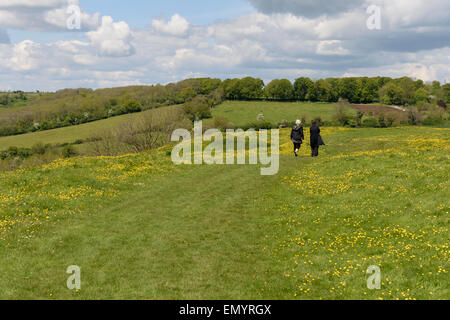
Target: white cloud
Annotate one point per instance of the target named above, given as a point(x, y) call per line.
point(331, 47)
point(42, 15)
point(112, 38)
point(268, 46)
point(23, 56)
point(176, 26)
point(31, 3)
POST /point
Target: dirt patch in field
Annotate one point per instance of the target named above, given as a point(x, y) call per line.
point(396, 112)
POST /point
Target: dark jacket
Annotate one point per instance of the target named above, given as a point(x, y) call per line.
point(315, 133)
point(297, 134)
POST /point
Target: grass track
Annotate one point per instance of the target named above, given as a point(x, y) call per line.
point(147, 230)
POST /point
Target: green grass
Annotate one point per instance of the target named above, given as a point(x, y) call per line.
point(141, 228)
point(241, 113)
point(68, 134)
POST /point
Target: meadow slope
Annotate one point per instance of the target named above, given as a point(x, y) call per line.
point(141, 228)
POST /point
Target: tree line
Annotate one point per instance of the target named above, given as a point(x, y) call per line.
point(385, 90)
point(77, 106)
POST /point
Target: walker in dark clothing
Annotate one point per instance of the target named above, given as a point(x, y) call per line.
point(315, 140)
point(297, 137)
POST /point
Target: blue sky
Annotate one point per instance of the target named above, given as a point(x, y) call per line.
point(139, 14)
point(137, 42)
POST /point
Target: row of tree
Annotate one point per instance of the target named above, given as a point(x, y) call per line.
point(76, 106)
point(402, 91)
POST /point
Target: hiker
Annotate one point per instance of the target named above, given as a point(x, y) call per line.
point(316, 139)
point(297, 136)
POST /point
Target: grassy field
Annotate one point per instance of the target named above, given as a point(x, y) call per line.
point(241, 113)
point(141, 228)
point(69, 134)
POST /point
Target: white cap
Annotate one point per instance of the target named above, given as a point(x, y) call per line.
point(298, 122)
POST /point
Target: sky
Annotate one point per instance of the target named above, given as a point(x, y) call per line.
point(136, 42)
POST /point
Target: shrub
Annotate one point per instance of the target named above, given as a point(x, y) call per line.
point(442, 104)
point(414, 116)
point(198, 109)
point(370, 122)
point(152, 131)
point(424, 106)
point(258, 125)
point(38, 148)
point(132, 106)
point(78, 142)
point(68, 151)
point(382, 121)
point(284, 124)
point(435, 117)
point(358, 118)
point(390, 120)
point(222, 123)
point(341, 115)
point(13, 151)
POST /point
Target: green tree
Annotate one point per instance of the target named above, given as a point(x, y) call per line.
point(301, 87)
point(350, 89)
point(391, 94)
point(446, 92)
point(409, 90)
point(422, 95)
point(251, 88)
point(280, 90)
point(369, 92)
point(323, 90)
point(198, 108)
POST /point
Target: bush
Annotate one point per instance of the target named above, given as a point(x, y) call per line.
point(424, 106)
point(38, 148)
point(132, 106)
point(13, 151)
point(258, 125)
point(341, 115)
point(284, 124)
point(222, 123)
point(198, 109)
point(390, 120)
point(370, 122)
point(382, 121)
point(151, 131)
point(435, 116)
point(78, 142)
point(68, 151)
point(358, 118)
point(414, 117)
point(442, 104)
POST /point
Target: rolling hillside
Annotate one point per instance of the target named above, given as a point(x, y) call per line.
point(141, 228)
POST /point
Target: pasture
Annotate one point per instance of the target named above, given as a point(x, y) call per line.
point(241, 113)
point(141, 228)
point(72, 133)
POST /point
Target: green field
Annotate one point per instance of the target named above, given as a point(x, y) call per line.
point(141, 228)
point(69, 134)
point(241, 113)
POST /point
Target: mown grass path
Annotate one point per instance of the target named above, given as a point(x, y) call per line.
point(141, 228)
